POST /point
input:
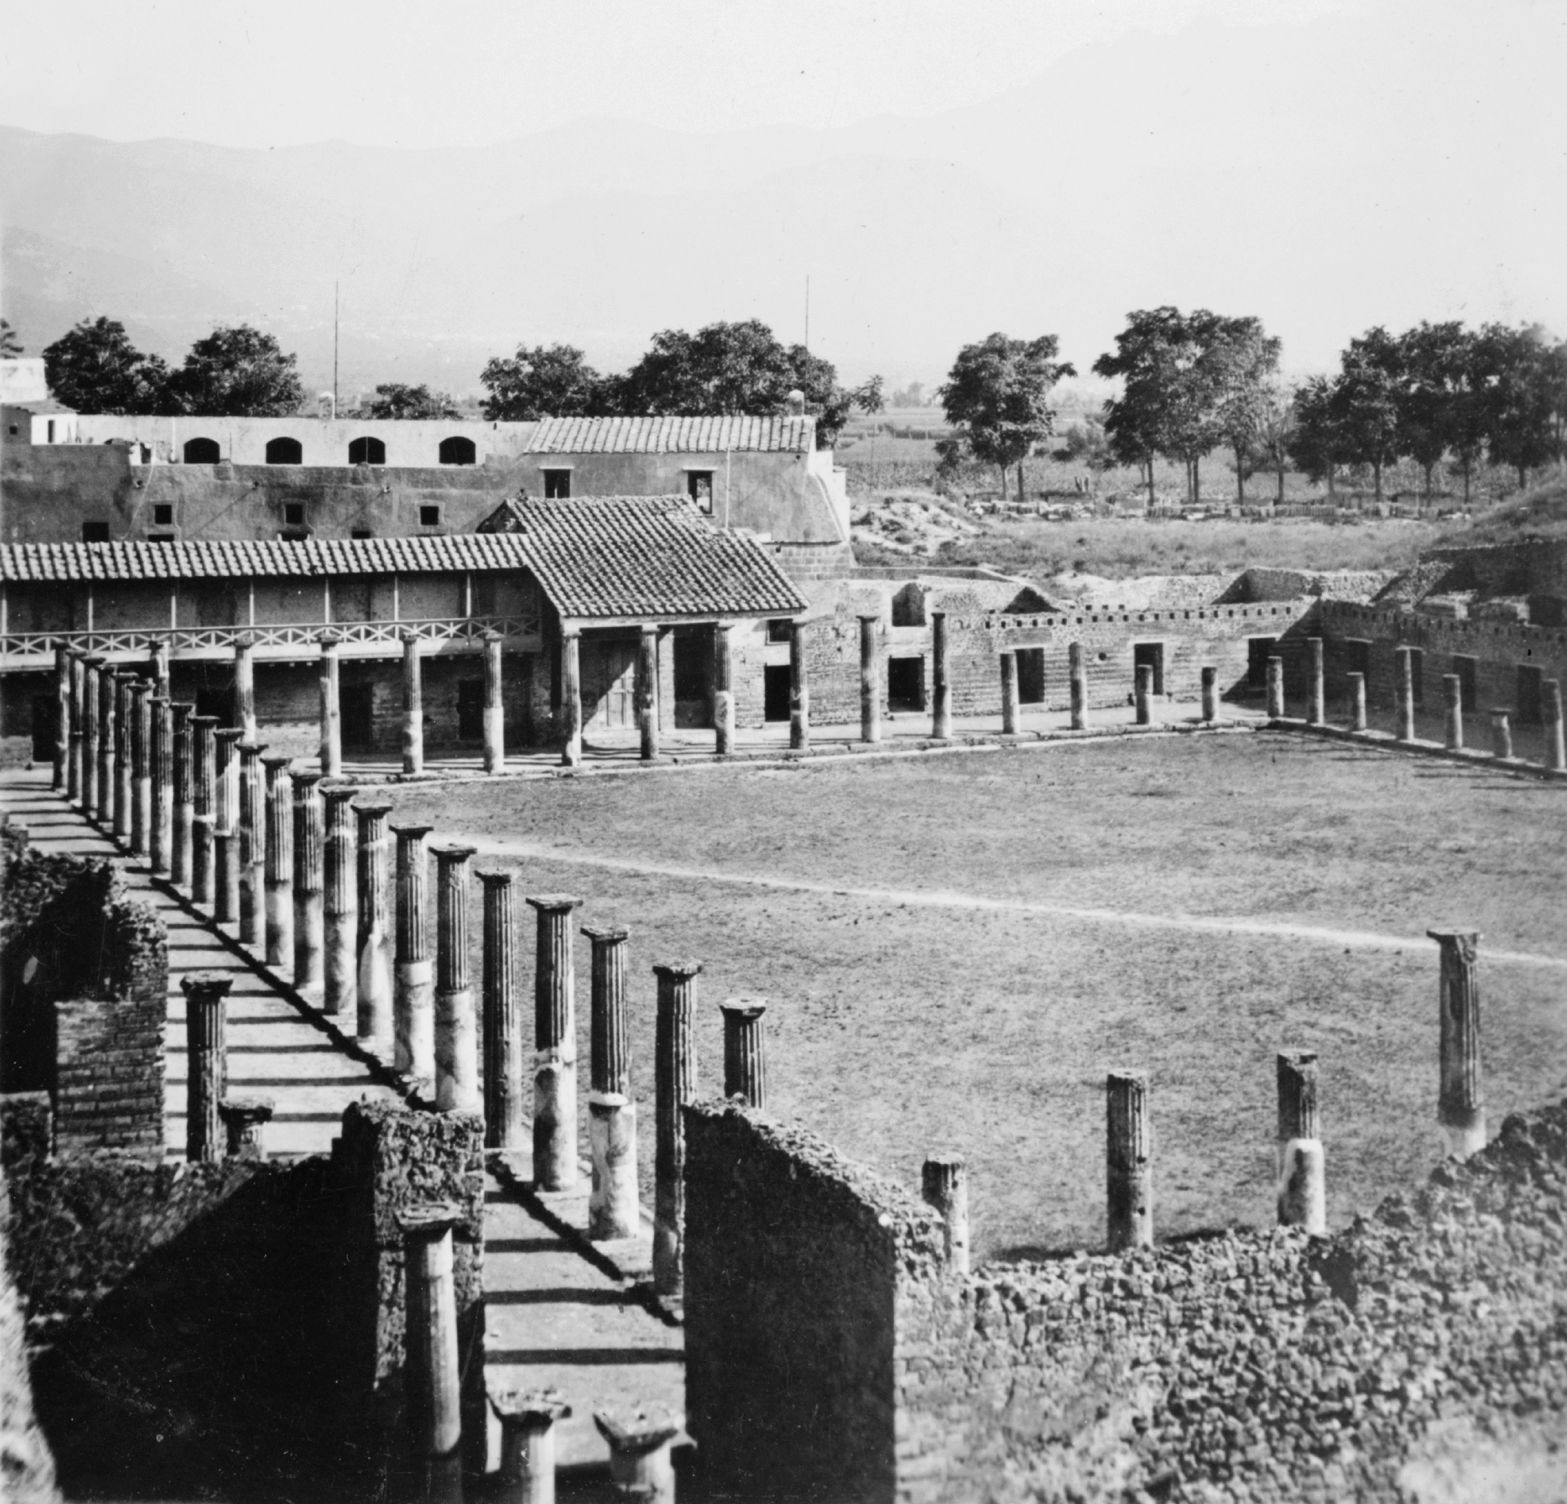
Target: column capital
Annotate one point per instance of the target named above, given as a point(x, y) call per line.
point(874, 616)
point(428, 1219)
point(93, 660)
point(491, 878)
point(246, 1110)
point(330, 640)
point(338, 793)
point(529, 1408)
point(410, 831)
point(489, 634)
point(182, 708)
point(637, 1431)
point(1454, 935)
point(199, 720)
point(410, 637)
point(201, 986)
point(450, 854)
point(373, 808)
point(677, 971)
point(230, 734)
point(605, 934)
point(251, 749)
point(553, 903)
point(163, 700)
point(305, 778)
point(274, 759)
point(743, 1009)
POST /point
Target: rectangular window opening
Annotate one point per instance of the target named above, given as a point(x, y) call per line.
point(95, 532)
point(1530, 696)
point(163, 514)
point(699, 487)
point(429, 516)
point(557, 485)
point(775, 692)
point(1258, 651)
point(1031, 676)
point(1150, 654)
point(905, 684)
point(294, 513)
point(778, 629)
point(1467, 670)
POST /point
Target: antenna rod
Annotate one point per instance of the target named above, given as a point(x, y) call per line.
point(335, 287)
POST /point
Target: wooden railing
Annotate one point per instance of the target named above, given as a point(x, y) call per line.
point(359, 639)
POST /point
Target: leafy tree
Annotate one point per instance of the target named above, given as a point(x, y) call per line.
point(1524, 397)
point(9, 343)
point(1085, 442)
point(1234, 369)
point(996, 397)
point(912, 395)
point(94, 368)
point(1365, 402)
point(239, 372)
point(1315, 444)
point(395, 400)
point(1273, 423)
point(553, 381)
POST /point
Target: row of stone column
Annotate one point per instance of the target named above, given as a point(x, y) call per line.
point(1555, 737)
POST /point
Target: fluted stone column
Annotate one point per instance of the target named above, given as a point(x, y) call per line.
point(1501, 735)
point(571, 697)
point(647, 691)
point(555, 1038)
point(1555, 740)
point(340, 907)
point(1128, 1161)
point(944, 1185)
point(331, 706)
point(73, 758)
point(1404, 682)
point(252, 846)
point(1210, 693)
point(413, 975)
point(1275, 688)
point(203, 764)
point(1143, 676)
point(309, 908)
point(373, 948)
point(279, 861)
point(141, 767)
point(940, 678)
point(124, 778)
point(1077, 676)
point(494, 705)
point(92, 693)
point(62, 719)
point(182, 813)
point(1453, 694)
point(503, 1036)
point(870, 679)
point(160, 763)
point(413, 705)
point(1316, 694)
point(613, 1209)
point(674, 1075)
point(433, 1379)
point(456, 1035)
point(745, 1050)
point(1009, 702)
point(1302, 1190)
point(527, 1470)
point(206, 1063)
point(244, 1124)
point(1357, 701)
point(723, 689)
point(225, 824)
point(104, 805)
point(799, 690)
point(640, 1442)
point(162, 653)
point(245, 689)
point(1461, 1103)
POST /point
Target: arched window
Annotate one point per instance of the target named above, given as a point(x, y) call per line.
point(458, 451)
point(367, 451)
point(285, 452)
point(202, 452)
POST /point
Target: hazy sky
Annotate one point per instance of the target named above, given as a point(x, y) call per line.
point(467, 72)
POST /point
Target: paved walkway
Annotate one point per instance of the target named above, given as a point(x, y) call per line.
point(561, 1313)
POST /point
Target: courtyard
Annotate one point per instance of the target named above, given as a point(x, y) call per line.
point(956, 948)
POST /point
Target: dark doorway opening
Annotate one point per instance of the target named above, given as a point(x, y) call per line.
point(470, 710)
point(905, 684)
point(46, 726)
point(356, 706)
point(557, 485)
point(202, 452)
point(1530, 695)
point(1258, 651)
point(693, 677)
point(1417, 675)
point(775, 692)
point(1031, 676)
point(1465, 667)
point(1151, 655)
point(367, 451)
point(285, 452)
point(609, 679)
point(457, 450)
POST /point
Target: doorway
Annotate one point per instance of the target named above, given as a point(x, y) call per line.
point(470, 710)
point(905, 684)
point(1031, 676)
point(356, 707)
point(775, 692)
point(1150, 655)
point(693, 677)
point(46, 726)
point(609, 683)
point(1258, 651)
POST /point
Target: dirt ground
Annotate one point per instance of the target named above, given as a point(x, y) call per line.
point(956, 948)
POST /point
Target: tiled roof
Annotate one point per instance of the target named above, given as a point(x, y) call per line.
point(639, 556)
point(707, 435)
point(632, 556)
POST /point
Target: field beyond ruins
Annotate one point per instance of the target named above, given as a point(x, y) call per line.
point(957, 947)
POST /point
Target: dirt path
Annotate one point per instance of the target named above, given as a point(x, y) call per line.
point(941, 899)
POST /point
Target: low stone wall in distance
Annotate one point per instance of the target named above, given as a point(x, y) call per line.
point(1404, 1356)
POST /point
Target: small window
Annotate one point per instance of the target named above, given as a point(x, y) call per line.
point(294, 513)
point(457, 450)
point(160, 537)
point(778, 629)
point(367, 451)
point(163, 514)
point(202, 452)
point(285, 452)
point(429, 516)
point(16, 428)
point(51, 430)
point(699, 487)
point(95, 532)
point(557, 485)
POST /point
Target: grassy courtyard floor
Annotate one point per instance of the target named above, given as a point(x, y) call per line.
point(956, 948)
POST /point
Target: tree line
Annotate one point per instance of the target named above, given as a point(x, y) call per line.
point(1194, 383)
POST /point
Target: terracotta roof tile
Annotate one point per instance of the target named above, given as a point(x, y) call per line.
point(654, 435)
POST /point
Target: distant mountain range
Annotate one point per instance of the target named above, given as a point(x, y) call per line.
point(1260, 170)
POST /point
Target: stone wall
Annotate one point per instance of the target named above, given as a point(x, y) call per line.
point(84, 974)
point(1421, 1346)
